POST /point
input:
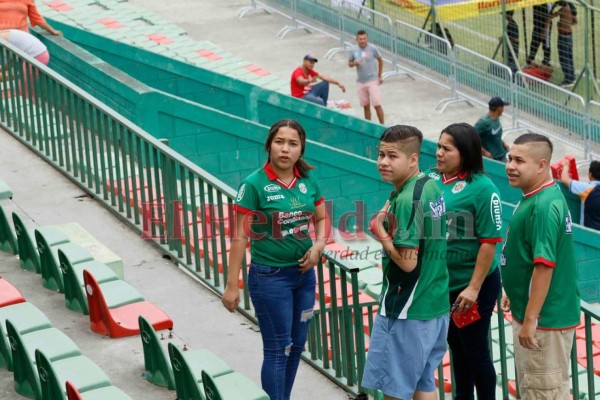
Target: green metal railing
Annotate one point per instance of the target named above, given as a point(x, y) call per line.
point(187, 212)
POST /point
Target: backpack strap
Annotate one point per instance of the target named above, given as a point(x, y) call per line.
point(416, 201)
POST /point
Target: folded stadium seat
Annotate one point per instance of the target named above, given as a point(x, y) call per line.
point(55, 344)
point(52, 277)
point(5, 190)
point(121, 319)
point(25, 318)
point(156, 361)
point(8, 240)
point(9, 294)
point(29, 257)
point(83, 373)
point(188, 368)
point(233, 386)
point(105, 393)
point(75, 297)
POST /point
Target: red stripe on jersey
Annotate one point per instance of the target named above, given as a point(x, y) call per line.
point(542, 260)
point(241, 209)
point(490, 240)
point(544, 186)
point(272, 175)
point(455, 177)
point(320, 201)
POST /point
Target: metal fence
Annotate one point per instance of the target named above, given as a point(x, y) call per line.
point(468, 72)
point(188, 214)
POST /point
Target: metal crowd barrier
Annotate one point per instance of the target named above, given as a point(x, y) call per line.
point(540, 106)
point(469, 74)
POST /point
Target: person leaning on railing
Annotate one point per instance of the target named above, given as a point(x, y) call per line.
point(474, 215)
point(274, 207)
point(15, 13)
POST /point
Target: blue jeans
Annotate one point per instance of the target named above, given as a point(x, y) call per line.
point(318, 94)
point(283, 299)
point(471, 360)
point(565, 56)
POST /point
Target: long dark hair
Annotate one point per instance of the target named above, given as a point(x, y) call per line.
point(302, 166)
point(467, 142)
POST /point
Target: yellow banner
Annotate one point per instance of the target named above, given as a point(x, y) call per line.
point(449, 10)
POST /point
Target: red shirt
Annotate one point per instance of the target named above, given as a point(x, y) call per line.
point(297, 89)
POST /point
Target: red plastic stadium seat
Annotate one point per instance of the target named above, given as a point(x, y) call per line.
point(447, 382)
point(120, 321)
point(9, 294)
point(557, 167)
point(72, 392)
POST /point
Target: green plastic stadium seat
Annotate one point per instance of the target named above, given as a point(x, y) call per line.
point(105, 393)
point(188, 367)
point(83, 373)
point(156, 361)
point(49, 264)
point(5, 190)
point(8, 240)
point(75, 297)
point(233, 386)
point(25, 318)
point(29, 257)
point(55, 344)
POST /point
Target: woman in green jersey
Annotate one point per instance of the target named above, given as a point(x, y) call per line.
point(274, 208)
point(474, 217)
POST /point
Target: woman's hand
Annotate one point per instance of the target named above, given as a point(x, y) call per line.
point(310, 258)
point(466, 299)
point(231, 298)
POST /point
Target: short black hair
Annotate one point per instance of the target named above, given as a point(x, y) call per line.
point(408, 136)
point(468, 143)
point(535, 138)
point(595, 169)
point(361, 32)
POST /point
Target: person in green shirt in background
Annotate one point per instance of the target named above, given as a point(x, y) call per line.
point(474, 215)
point(408, 340)
point(539, 273)
point(489, 129)
point(274, 207)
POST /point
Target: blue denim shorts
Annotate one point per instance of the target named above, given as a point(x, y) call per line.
point(404, 354)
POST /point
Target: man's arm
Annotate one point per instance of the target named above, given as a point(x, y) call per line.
point(565, 178)
point(540, 283)
point(332, 81)
point(380, 69)
point(302, 81)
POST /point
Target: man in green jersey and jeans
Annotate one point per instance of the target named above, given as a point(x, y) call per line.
point(539, 273)
point(489, 129)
